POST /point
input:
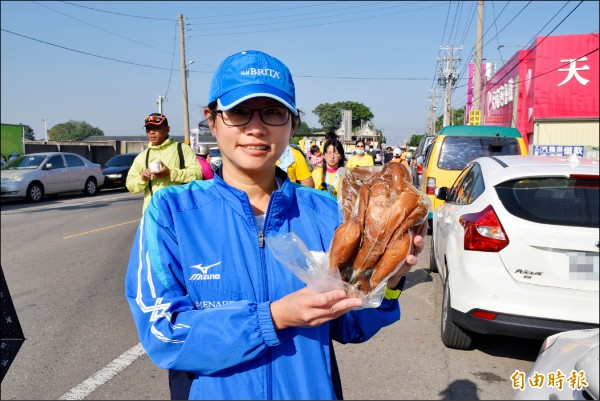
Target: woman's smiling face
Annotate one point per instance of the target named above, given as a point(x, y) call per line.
point(255, 147)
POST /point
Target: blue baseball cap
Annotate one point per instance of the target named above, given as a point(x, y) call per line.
point(251, 74)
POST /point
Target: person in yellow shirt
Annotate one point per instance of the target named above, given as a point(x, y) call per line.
point(294, 163)
point(328, 176)
point(360, 158)
point(177, 163)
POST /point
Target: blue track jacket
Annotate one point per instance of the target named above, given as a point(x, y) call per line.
point(201, 279)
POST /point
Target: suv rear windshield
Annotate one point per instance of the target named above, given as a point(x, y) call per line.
point(552, 200)
point(458, 151)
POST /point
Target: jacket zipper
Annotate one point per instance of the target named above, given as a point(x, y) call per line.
point(261, 239)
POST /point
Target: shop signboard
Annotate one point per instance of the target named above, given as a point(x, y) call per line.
point(558, 150)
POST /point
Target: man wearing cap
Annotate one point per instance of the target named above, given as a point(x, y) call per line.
point(164, 163)
point(204, 160)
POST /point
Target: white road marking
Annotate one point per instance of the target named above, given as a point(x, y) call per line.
point(90, 385)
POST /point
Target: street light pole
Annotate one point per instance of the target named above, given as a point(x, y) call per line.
point(46, 127)
point(159, 101)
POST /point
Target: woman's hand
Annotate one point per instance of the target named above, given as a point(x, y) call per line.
point(306, 308)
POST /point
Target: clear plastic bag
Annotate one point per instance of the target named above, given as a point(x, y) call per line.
point(313, 269)
point(380, 210)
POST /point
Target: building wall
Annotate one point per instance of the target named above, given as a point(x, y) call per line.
point(555, 79)
point(12, 139)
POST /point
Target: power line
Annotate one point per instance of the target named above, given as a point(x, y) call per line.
point(212, 72)
point(100, 28)
point(440, 47)
point(536, 45)
point(82, 52)
point(263, 11)
point(212, 33)
point(464, 67)
point(245, 21)
point(120, 14)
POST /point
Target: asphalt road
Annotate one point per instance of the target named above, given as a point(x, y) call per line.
point(64, 261)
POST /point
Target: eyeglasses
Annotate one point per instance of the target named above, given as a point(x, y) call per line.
point(333, 154)
point(272, 115)
point(155, 119)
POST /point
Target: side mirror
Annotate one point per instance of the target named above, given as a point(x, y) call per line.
point(441, 193)
point(48, 166)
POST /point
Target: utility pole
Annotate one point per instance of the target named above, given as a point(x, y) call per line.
point(46, 127)
point(478, 58)
point(186, 116)
point(159, 101)
point(433, 111)
point(447, 80)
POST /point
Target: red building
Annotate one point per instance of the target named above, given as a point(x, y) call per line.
point(549, 92)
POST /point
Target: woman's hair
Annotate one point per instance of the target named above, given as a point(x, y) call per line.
point(341, 161)
point(296, 122)
point(359, 141)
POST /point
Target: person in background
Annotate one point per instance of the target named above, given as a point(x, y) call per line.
point(316, 157)
point(403, 149)
point(397, 156)
point(178, 163)
point(227, 309)
point(360, 158)
point(13, 155)
point(294, 163)
point(404, 158)
point(328, 176)
point(204, 160)
point(388, 155)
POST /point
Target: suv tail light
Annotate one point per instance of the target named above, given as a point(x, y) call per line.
point(483, 231)
point(419, 169)
point(430, 190)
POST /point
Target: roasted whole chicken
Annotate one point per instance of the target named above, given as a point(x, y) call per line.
point(381, 209)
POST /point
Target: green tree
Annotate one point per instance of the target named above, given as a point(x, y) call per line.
point(458, 118)
point(29, 134)
point(415, 139)
point(303, 130)
point(73, 131)
point(330, 115)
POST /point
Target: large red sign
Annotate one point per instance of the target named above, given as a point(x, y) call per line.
point(557, 77)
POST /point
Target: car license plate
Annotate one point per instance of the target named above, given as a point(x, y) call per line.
point(583, 265)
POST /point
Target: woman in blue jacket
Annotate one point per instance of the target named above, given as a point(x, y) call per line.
point(216, 302)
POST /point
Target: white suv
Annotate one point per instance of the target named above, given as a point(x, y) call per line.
point(516, 247)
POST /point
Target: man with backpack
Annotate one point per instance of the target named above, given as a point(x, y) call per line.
point(165, 162)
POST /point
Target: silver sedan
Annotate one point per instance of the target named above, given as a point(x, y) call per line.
point(34, 175)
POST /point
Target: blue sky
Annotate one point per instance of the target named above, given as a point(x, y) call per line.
point(106, 63)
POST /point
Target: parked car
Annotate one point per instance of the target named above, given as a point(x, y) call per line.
point(378, 156)
point(456, 145)
point(215, 157)
point(567, 352)
point(116, 168)
point(34, 175)
point(416, 164)
point(516, 247)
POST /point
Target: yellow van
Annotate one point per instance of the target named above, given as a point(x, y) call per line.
point(456, 145)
